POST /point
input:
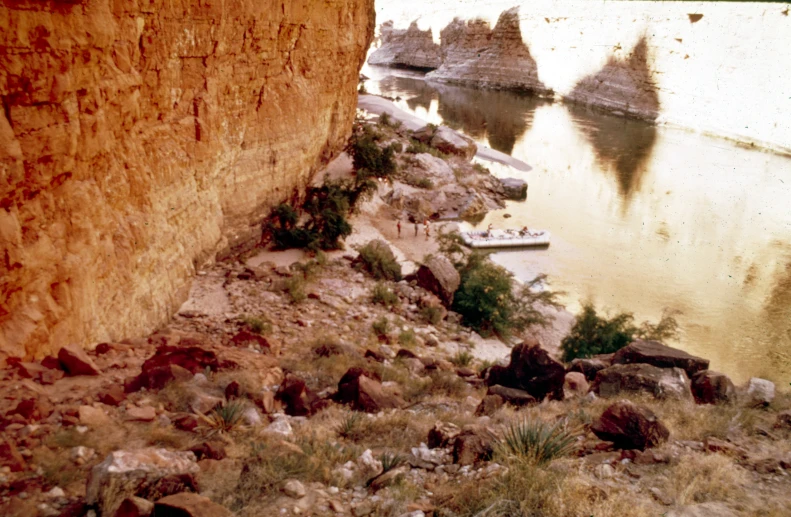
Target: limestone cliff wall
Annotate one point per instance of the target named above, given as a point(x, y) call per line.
point(411, 48)
point(138, 138)
point(715, 67)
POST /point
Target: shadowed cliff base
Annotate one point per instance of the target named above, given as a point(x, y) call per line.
point(623, 85)
point(623, 146)
point(473, 54)
point(410, 48)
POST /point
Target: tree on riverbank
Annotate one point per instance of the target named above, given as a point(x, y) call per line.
point(489, 299)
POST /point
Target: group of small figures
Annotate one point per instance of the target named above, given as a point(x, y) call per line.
point(426, 228)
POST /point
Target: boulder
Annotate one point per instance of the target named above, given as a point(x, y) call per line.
point(433, 168)
point(642, 378)
point(590, 366)
point(192, 358)
point(630, 426)
point(33, 408)
point(514, 188)
point(93, 417)
point(10, 456)
point(452, 142)
point(135, 507)
point(359, 388)
point(439, 276)
point(294, 489)
point(39, 372)
point(113, 395)
point(474, 207)
point(760, 392)
point(489, 405)
point(141, 414)
point(76, 362)
point(513, 396)
point(575, 385)
point(442, 434)
point(710, 387)
point(187, 504)
point(532, 370)
point(473, 444)
point(659, 355)
point(127, 473)
point(157, 377)
point(297, 398)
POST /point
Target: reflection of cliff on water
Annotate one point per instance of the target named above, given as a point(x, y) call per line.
point(622, 146)
point(502, 116)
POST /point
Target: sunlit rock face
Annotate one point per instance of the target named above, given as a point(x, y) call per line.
point(474, 54)
point(412, 48)
point(139, 139)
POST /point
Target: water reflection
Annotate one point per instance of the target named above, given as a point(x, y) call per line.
point(623, 146)
point(497, 116)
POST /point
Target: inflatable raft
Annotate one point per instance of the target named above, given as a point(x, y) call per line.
point(506, 238)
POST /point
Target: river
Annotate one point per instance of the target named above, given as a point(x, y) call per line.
point(643, 218)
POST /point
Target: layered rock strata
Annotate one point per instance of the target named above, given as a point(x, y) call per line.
point(137, 140)
point(410, 48)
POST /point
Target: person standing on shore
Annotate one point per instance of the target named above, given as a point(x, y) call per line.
point(425, 225)
point(417, 227)
point(399, 228)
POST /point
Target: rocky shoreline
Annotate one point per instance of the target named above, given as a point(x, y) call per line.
point(297, 385)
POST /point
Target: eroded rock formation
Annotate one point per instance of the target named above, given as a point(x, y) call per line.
point(137, 140)
point(411, 47)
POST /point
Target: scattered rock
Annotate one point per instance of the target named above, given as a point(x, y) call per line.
point(209, 451)
point(783, 420)
point(142, 414)
point(514, 189)
point(186, 422)
point(135, 507)
point(76, 362)
point(93, 417)
point(513, 396)
point(280, 426)
point(113, 395)
point(10, 456)
point(298, 399)
point(590, 366)
point(294, 489)
point(473, 444)
point(233, 390)
point(82, 454)
point(489, 405)
point(442, 434)
point(659, 355)
point(245, 338)
point(642, 378)
point(760, 392)
point(187, 504)
point(710, 387)
point(157, 377)
point(358, 388)
point(40, 372)
point(630, 426)
point(531, 369)
point(386, 479)
point(575, 385)
point(128, 473)
point(604, 471)
point(439, 276)
point(452, 142)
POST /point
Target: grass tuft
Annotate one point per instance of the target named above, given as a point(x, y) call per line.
point(537, 442)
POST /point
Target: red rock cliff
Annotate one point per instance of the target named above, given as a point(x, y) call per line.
point(138, 138)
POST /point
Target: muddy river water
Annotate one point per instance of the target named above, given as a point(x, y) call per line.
point(643, 218)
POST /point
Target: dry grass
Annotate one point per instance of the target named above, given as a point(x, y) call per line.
point(701, 478)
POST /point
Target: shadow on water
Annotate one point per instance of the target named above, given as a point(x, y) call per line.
point(417, 92)
point(623, 146)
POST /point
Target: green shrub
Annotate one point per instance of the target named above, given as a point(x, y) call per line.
point(431, 314)
point(490, 302)
point(417, 147)
point(407, 338)
point(381, 326)
point(593, 334)
point(225, 418)
point(257, 325)
point(390, 461)
point(367, 154)
point(295, 288)
point(462, 358)
point(480, 169)
point(537, 442)
point(377, 258)
point(383, 295)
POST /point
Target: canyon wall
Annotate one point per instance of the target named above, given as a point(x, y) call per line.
point(412, 48)
point(140, 138)
point(715, 67)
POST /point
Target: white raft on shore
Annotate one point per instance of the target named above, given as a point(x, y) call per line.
point(505, 238)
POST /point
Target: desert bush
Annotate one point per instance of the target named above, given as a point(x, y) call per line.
point(462, 358)
point(537, 442)
point(593, 334)
point(407, 338)
point(295, 289)
point(367, 154)
point(257, 325)
point(491, 302)
point(350, 425)
point(377, 258)
point(431, 314)
point(383, 295)
point(381, 326)
point(390, 461)
point(225, 418)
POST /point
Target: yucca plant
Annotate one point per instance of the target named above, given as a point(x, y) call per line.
point(225, 418)
point(390, 461)
point(349, 425)
point(538, 442)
